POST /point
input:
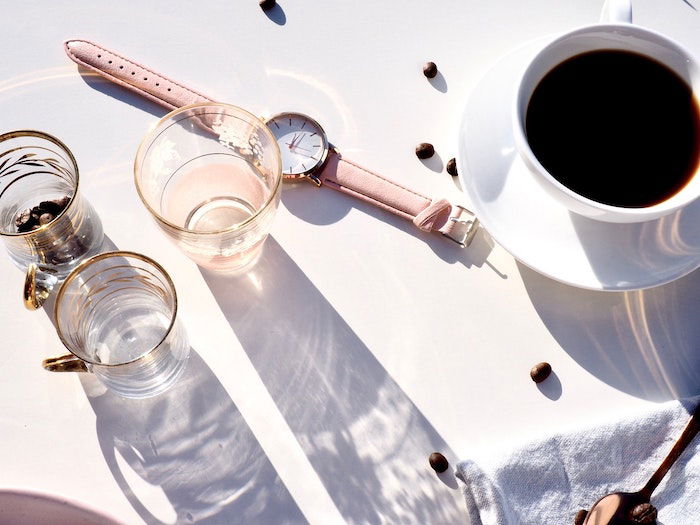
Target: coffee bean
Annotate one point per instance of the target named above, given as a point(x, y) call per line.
point(46, 218)
point(266, 5)
point(430, 69)
point(438, 462)
point(644, 514)
point(62, 201)
point(52, 207)
point(580, 517)
point(23, 218)
point(31, 218)
point(452, 167)
point(540, 372)
point(424, 150)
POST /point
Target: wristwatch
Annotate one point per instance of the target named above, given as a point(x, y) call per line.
point(305, 150)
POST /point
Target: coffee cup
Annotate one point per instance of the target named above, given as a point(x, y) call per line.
point(615, 35)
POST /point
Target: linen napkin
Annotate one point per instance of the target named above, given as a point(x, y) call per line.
point(549, 481)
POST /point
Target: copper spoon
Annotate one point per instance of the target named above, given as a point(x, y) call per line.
point(617, 508)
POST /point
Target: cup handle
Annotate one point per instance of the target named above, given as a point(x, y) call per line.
point(37, 287)
point(65, 363)
point(617, 11)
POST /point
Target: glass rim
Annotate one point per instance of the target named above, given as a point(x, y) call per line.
point(40, 134)
point(235, 227)
point(105, 255)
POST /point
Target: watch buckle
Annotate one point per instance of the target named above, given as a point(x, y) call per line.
point(464, 234)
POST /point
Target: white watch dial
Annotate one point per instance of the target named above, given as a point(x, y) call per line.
point(301, 140)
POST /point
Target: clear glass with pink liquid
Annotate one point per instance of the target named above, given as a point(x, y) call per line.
point(210, 174)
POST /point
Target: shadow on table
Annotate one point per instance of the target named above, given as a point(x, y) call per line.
point(644, 342)
point(366, 440)
point(323, 206)
point(193, 443)
point(109, 88)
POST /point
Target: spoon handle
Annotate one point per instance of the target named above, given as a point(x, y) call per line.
point(684, 440)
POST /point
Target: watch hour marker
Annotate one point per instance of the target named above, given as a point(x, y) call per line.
point(290, 121)
point(312, 134)
point(302, 165)
point(317, 145)
point(304, 124)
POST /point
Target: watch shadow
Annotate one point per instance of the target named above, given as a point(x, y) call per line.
point(101, 84)
point(322, 206)
point(364, 437)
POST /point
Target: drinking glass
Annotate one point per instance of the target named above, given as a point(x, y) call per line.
point(210, 174)
point(117, 314)
point(36, 168)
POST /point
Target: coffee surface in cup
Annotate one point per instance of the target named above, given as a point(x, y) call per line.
point(616, 127)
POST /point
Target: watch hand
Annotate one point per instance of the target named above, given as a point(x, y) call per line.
point(302, 149)
point(292, 143)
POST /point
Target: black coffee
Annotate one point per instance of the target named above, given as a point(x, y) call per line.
point(616, 127)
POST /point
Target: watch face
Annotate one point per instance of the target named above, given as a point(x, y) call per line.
point(302, 143)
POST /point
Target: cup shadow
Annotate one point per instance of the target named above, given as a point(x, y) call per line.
point(641, 342)
point(193, 443)
point(328, 207)
point(366, 440)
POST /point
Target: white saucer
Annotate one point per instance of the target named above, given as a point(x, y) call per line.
point(540, 232)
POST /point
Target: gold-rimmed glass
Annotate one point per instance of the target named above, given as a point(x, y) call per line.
point(210, 175)
point(117, 314)
point(37, 167)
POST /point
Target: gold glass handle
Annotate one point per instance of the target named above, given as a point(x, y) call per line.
point(65, 363)
point(37, 287)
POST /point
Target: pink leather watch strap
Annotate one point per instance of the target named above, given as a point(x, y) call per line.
point(451, 220)
point(426, 213)
point(132, 75)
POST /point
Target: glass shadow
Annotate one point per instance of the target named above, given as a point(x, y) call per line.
point(366, 440)
point(193, 443)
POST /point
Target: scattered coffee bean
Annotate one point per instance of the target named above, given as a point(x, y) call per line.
point(45, 218)
point(424, 150)
point(266, 5)
point(580, 517)
point(644, 514)
point(430, 69)
point(540, 372)
point(452, 167)
point(438, 462)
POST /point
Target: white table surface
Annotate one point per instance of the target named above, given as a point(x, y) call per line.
point(320, 382)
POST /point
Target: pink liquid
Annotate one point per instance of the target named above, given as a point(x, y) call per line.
point(212, 198)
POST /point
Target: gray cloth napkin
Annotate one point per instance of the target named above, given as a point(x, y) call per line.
point(549, 481)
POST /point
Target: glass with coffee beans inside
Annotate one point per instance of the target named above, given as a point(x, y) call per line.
point(43, 218)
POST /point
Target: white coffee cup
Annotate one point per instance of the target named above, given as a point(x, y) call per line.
point(619, 34)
